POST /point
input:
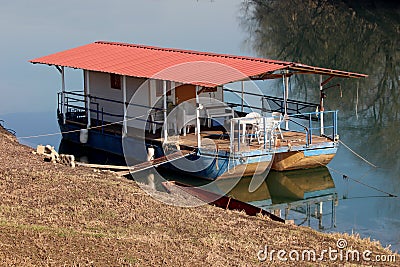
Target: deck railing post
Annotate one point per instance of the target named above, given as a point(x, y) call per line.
point(124, 122)
point(307, 139)
point(265, 132)
point(286, 96)
point(242, 96)
point(334, 124)
point(58, 104)
point(87, 88)
point(102, 120)
point(198, 117)
point(66, 102)
point(239, 137)
point(321, 105)
point(165, 125)
point(310, 128)
point(64, 112)
point(97, 114)
point(262, 106)
point(231, 137)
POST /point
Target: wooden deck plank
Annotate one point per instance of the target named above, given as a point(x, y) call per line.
point(223, 143)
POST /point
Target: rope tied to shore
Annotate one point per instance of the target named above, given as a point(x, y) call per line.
point(73, 131)
point(358, 155)
point(348, 177)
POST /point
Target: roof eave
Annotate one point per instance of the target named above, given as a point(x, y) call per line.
point(300, 69)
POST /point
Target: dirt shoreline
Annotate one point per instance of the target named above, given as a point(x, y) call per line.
point(51, 214)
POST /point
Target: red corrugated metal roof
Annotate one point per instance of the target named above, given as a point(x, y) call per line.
point(185, 66)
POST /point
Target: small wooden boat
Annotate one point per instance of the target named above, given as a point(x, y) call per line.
point(221, 201)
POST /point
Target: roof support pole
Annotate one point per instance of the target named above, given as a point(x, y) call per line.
point(124, 123)
point(242, 96)
point(286, 96)
point(173, 92)
point(321, 91)
point(87, 93)
point(198, 117)
point(165, 127)
point(63, 109)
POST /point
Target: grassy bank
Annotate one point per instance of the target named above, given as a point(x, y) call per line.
point(51, 214)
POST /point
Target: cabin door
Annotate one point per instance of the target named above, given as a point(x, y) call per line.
point(184, 92)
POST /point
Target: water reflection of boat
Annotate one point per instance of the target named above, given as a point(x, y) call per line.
point(241, 191)
point(294, 192)
point(301, 196)
point(300, 185)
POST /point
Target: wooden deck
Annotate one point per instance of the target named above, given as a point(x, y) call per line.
point(218, 139)
point(290, 151)
point(212, 138)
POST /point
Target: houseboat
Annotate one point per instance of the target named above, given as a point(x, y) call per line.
point(147, 102)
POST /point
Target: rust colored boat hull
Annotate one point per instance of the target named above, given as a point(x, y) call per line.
point(295, 160)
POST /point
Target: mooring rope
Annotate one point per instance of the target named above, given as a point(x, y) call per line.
point(362, 197)
point(2, 125)
point(346, 176)
point(73, 131)
point(358, 155)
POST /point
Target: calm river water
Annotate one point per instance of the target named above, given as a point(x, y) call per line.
point(356, 38)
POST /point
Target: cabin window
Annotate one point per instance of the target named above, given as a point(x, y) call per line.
point(115, 81)
point(209, 89)
point(159, 88)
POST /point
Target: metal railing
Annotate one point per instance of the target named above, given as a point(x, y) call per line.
point(327, 129)
point(240, 135)
point(295, 110)
point(76, 109)
point(274, 104)
point(11, 131)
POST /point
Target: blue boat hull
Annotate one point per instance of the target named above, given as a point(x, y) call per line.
point(203, 164)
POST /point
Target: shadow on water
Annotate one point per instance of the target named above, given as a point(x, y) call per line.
point(89, 155)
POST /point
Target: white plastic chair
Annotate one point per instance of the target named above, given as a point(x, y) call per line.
point(272, 125)
point(157, 118)
point(255, 119)
point(277, 120)
point(185, 117)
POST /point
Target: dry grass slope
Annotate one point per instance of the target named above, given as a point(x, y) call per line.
point(53, 215)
